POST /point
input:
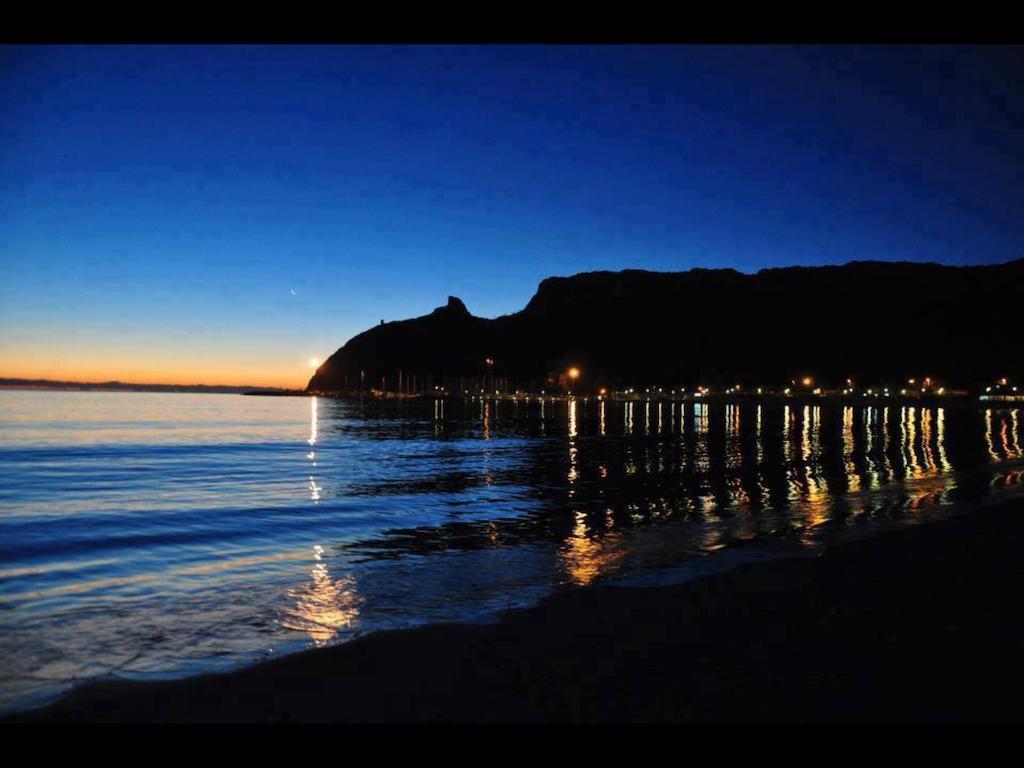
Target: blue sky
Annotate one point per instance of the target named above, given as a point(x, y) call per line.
point(226, 213)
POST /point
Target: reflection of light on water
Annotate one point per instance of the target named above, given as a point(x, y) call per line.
point(314, 489)
point(941, 430)
point(323, 606)
point(926, 440)
point(988, 435)
point(486, 408)
point(586, 558)
point(1008, 434)
point(903, 438)
point(573, 449)
point(733, 456)
point(818, 498)
point(760, 438)
point(869, 439)
point(848, 450)
point(493, 534)
point(806, 435)
point(1007, 446)
point(438, 415)
point(910, 443)
point(601, 409)
point(1015, 431)
point(875, 457)
point(886, 468)
point(788, 432)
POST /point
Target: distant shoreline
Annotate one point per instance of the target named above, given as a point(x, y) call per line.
point(120, 386)
point(964, 401)
point(877, 401)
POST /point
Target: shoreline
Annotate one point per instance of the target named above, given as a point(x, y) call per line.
point(954, 401)
point(746, 398)
point(910, 625)
point(166, 389)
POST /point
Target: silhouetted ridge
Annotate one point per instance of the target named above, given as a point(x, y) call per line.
point(873, 321)
point(454, 306)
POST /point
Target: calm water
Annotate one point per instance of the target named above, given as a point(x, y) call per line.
point(164, 534)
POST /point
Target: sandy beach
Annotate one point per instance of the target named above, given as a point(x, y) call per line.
point(913, 625)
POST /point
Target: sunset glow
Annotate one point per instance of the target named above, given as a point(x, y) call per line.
point(212, 367)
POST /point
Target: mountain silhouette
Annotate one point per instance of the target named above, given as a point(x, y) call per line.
point(875, 322)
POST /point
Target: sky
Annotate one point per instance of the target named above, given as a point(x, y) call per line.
point(225, 214)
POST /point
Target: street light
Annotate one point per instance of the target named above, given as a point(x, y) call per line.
point(574, 373)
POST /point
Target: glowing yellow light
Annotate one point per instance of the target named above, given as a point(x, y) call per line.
point(807, 381)
point(910, 381)
point(601, 391)
point(574, 373)
point(314, 363)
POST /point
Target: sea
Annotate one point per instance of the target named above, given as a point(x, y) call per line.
point(158, 535)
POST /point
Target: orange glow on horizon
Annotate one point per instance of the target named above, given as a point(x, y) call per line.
point(241, 374)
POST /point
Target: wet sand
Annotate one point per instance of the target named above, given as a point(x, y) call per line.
point(921, 624)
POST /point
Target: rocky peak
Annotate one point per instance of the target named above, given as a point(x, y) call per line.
point(453, 307)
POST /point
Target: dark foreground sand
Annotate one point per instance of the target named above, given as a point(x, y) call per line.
point(923, 624)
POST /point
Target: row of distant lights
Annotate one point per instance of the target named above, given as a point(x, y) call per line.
point(807, 381)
